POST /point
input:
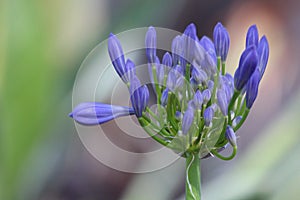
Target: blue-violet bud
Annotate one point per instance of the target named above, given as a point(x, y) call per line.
point(222, 101)
point(177, 49)
point(252, 36)
point(208, 115)
point(93, 113)
point(198, 100)
point(206, 95)
point(221, 41)
point(164, 97)
point(150, 43)
point(230, 136)
point(263, 55)
point(252, 88)
point(139, 96)
point(116, 54)
point(187, 120)
point(247, 65)
point(189, 38)
point(167, 60)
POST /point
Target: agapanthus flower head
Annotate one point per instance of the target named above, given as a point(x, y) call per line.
point(199, 105)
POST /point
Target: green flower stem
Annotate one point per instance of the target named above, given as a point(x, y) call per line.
point(218, 64)
point(245, 115)
point(231, 104)
point(152, 114)
point(223, 68)
point(187, 78)
point(145, 126)
point(234, 150)
point(216, 81)
point(157, 87)
point(192, 182)
point(161, 131)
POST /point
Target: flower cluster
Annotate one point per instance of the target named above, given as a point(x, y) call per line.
point(199, 105)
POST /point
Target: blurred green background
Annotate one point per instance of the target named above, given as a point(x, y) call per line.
point(42, 44)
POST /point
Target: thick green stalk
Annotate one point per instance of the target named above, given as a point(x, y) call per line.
point(192, 181)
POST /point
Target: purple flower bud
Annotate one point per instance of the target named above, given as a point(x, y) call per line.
point(210, 63)
point(130, 71)
point(230, 136)
point(221, 41)
point(236, 120)
point(171, 80)
point(92, 113)
point(222, 101)
point(208, 115)
point(164, 97)
point(139, 96)
point(189, 42)
point(208, 45)
point(199, 75)
point(210, 85)
point(252, 88)
point(206, 95)
point(252, 36)
point(178, 115)
point(187, 120)
point(179, 70)
point(150, 43)
point(247, 65)
point(167, 60)
point(199, 53)
point(263, 55)
point(177, 49)
point(160, 71)
point(179, 83)
point(116, 54)
point(198, 100)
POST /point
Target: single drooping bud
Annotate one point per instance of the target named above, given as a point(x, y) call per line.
point(93, 113)
point(230, 136)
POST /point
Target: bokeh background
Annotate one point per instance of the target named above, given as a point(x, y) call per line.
point(42, 45)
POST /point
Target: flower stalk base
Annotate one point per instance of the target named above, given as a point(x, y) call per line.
point(193, 178)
